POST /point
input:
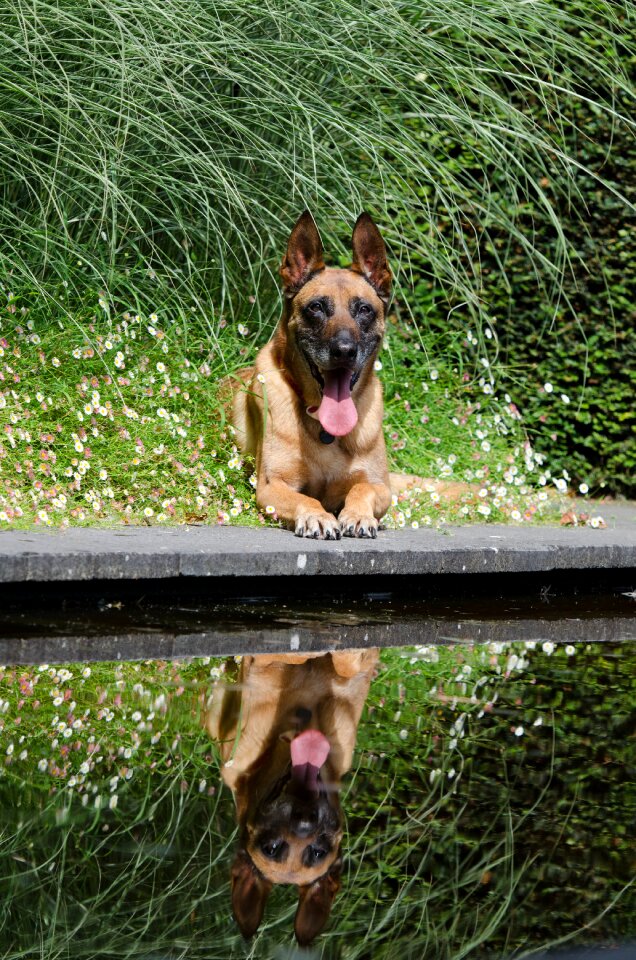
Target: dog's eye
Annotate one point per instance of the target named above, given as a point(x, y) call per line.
point(363, 312)
point(273, 848)
point(315, 854)
point(314, 307)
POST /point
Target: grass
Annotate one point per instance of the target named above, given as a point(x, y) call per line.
point(153, 159)
point(186, 139)
point(482, 793)
point(152, 164)
point(115, 417)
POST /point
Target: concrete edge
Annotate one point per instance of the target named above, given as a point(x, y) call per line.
point(130, 644)
point(134, 553)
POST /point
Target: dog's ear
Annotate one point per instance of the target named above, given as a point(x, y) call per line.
point(250, 891)
point(304, 255)
point(369, 256)
point(314, 904)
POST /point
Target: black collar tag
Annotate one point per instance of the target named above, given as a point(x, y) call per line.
point(326, 437)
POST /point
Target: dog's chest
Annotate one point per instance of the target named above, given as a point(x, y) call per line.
point(329, 469)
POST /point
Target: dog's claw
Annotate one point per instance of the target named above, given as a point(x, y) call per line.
point(362, 527)
point(316, 526)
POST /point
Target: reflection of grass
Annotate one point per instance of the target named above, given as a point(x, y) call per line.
point(100, 886)
point(497, 854)
point(86, 731)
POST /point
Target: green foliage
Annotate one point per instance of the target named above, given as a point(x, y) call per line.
point(587, 348)
point(578, 336)
point(119, 418)
point(160, 151)
point(111, 419)
point(490, 808)
point(186, 137)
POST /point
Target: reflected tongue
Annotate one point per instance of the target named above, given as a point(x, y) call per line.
point(309, 752)
point(337, 412)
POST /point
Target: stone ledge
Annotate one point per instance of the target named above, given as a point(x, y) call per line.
point(166, 645)
point(133, 553)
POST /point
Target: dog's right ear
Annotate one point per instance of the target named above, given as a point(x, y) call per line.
point(304, 255)
point(369, 256)
point(250, 891)
point(314, 904)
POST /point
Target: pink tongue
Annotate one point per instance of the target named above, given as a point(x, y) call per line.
point(337, 412)
point(310, 747)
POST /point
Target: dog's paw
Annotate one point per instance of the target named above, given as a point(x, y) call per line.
point(354, 525)
point(319, 526)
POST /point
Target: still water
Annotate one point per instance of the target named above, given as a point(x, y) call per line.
point(467, 800)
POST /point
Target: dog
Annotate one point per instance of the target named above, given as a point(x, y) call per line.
point(310, 410)
point(287, 731)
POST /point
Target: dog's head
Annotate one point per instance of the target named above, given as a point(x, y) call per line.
point(291, 832)
point(335, 317)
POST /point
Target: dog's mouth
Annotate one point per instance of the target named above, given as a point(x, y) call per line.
point(309, 751)
point(337, 412)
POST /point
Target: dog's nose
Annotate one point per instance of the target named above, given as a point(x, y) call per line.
point(303, 820)
point(343, 347)
point(303, 826)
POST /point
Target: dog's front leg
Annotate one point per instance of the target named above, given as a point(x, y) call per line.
point(365, 504)
point(306, 516)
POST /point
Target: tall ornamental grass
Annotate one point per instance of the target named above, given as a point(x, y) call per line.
point(162, 149)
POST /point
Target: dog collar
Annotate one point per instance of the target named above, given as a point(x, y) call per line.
point(323, 435)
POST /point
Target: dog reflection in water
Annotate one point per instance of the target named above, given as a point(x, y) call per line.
point(287, 730)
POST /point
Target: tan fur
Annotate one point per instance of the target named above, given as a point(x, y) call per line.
point(450, 489)
point(321, 490)
point(254, 722)
point(306, 481)
point(249, 718)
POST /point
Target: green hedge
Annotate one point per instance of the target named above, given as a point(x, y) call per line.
point(586, 348)
point(576, 331)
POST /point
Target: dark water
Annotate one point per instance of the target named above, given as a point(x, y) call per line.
point(177, 618)
point(489, 809)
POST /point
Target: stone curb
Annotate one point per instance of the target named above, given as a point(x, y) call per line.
point(213, 551)
point(146, 644)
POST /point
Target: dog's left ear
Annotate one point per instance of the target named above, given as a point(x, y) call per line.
point(369, 256)
point(250, 891)
point(314, 904)
point(304, 255)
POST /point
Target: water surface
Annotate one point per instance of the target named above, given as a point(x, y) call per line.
point(489, 809)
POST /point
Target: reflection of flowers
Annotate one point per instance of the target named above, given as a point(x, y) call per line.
point(87, 736)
